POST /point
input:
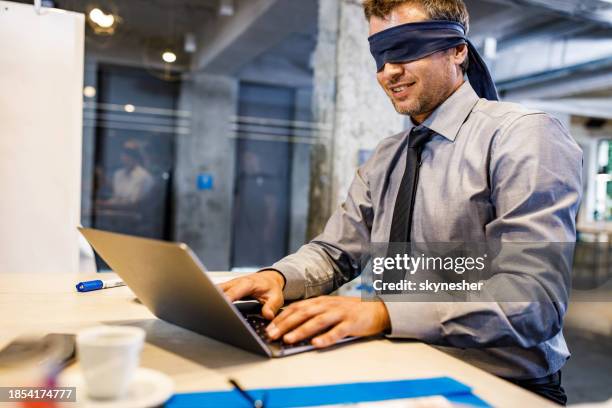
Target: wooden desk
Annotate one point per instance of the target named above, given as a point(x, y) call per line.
point(42, 303)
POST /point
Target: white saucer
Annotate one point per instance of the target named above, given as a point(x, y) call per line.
point(149, 388)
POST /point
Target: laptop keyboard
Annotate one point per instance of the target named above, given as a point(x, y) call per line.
point(259, 324)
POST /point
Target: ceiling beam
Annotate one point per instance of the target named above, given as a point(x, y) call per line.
point(498, 24)
point(586, 107)
point(553, 30)
point(571, 81)
point(599, 11)
point(217, 37)
point(239, 40)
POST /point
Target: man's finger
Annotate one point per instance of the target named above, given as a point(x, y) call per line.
point(240, 289)
point(293, 308)
point(290, 318)
point(333, 336)
point(313, 326)
point(226, 285)
point(272, 304)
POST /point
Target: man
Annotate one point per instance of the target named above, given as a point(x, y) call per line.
point(488, 171)
point(132, 182)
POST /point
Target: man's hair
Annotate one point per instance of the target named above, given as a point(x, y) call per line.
point(133, 152)
point(451, 10)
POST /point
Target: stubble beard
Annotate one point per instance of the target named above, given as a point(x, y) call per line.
point(414, 108)
point(424, 103)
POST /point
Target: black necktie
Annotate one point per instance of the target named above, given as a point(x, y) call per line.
point(404, 202)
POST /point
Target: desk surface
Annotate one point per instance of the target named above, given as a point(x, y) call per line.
point(42, 303)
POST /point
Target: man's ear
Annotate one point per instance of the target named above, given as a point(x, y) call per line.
point(460, 53)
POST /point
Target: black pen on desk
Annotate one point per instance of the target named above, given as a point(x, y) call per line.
point(256, 403)
point(98, 284)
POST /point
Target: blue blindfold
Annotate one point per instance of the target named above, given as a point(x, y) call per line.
point(413, 41)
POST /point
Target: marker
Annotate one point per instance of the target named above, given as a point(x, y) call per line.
point(98, 284)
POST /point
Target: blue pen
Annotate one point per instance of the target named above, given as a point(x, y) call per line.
point(98, 284)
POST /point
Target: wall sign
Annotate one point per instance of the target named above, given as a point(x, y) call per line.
point(205, 181)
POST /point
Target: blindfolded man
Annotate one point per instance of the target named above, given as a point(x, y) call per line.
point(470, 168)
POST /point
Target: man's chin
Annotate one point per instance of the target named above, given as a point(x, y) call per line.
point(403, 108)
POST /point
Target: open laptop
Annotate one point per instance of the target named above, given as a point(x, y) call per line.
point(169, 279)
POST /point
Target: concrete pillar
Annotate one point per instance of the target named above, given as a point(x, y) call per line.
point(324, 111)
point(203, 217)
point(347, 96)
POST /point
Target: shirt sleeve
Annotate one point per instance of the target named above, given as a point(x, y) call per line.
point(332, 258)
point(535, 181)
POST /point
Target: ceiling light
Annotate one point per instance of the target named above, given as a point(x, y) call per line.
point(129, 108)
point(226, 8)
point(89, 91)
point(190, 43)
point(169, 57)
point(101, 19)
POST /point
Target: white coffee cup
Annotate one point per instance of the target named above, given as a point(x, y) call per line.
point(109, 356)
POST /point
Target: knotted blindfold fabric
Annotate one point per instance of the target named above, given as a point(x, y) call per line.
point(413, 41)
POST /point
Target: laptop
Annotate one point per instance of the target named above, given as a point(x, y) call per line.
point(169, 279)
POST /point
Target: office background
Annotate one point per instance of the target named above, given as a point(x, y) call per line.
point(246, 120)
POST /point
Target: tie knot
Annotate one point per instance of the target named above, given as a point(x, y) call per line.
point(419, 135)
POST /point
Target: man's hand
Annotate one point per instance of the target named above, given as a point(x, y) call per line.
point(339, 316)
point(266, 287)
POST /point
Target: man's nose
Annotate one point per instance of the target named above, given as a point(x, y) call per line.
point(392, 71)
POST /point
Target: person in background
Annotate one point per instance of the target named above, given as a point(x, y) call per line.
point(132, 182)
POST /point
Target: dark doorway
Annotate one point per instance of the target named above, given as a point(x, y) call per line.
point(263, 175)
point(134, 152)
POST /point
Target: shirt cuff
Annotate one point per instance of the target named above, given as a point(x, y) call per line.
point(294, 280)
point(414, 320)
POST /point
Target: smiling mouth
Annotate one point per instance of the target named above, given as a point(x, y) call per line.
point(401, 89)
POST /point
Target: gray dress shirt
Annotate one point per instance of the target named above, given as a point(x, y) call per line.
point(492, 171)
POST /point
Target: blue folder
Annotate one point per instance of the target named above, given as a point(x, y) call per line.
point(452, 390)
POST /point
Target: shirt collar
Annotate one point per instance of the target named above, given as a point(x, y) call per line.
point(446, 119)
